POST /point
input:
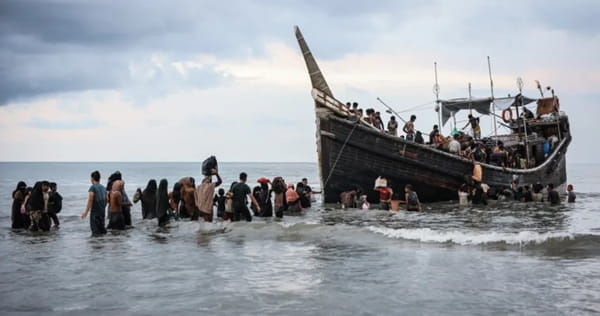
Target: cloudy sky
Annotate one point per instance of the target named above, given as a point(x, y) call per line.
point(180, 80)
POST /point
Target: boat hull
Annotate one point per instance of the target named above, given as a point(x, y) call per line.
point(352, 156)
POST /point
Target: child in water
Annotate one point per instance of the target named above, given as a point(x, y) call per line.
point(364, 204)
point(219, 201)
point(570, 194)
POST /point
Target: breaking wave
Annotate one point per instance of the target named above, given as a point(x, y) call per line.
point(472, 238)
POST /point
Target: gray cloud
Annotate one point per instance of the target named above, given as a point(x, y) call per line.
point(59, 46)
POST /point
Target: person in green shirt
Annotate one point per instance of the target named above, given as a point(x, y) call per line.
point(240, 193)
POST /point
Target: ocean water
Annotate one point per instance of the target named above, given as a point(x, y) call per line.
point(508, 258)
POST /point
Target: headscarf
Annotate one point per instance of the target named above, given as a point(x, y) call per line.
point(36, 200)
point(149, 200)
point(176, 194)
point(162, 198)
point(21, 187)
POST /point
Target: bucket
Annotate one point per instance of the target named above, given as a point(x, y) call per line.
point(380, 182)
point(395, 205)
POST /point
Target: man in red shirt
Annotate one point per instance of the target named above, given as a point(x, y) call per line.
point(385, 197)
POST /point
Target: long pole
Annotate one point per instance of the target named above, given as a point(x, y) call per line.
point(520, 86)
point(436, 90)
point(470, 108)
point(493, 100)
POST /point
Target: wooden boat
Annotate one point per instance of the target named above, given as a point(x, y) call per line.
point(352, 153)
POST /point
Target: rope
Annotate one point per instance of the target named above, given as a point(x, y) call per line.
point(339, 155)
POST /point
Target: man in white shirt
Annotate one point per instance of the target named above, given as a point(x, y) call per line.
point(454, 146)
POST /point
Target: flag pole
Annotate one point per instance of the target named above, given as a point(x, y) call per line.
point(493, 100)
point(436, 90)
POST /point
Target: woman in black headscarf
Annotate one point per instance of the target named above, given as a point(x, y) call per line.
point(264, 199)
point(175, 199)
point(162, 203)
point(19, 218)
point(37, 213)
point(149, 200)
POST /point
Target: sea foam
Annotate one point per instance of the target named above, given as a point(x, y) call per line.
point(469, 238)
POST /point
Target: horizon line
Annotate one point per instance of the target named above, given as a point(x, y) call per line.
point(149, 161)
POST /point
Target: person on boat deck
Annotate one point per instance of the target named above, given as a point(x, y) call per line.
point(553, 196)
point(434, 134)
point(385, 197)
point(474, 122)
point(54, 204)
point(18, 212)
point(392, 126)
point(370, 116)
point(359, 114)
point(240, 194)
point(293, 199)
point(205, 194)
point(527, 114)
point(219, 201)
point(378, 122)
point(115, 202)
point(411, 199)
point(499, 156)
point(96, 204)
point(479, 153)
point(409, 128)
point(355, 107)
point(527, 197)
point(570, 194)
point(349, 107)
point(454, 145)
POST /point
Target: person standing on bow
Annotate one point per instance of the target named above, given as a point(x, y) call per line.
point(474, 122)
point(409, 128)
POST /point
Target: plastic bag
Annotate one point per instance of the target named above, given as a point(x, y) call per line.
point(209, 164)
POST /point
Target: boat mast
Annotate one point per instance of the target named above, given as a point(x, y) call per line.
point(436, 90)
point(493, 100)
point(470, 108)
point(520, 86)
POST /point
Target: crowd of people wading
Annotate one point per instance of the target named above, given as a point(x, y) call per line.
point(110, 207)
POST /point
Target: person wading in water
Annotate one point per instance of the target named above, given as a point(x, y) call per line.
point(241, 192)
point(96, 204)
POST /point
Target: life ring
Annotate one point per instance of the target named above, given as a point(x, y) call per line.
point(510, 115)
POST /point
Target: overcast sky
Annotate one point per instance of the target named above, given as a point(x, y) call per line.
point(181, 80)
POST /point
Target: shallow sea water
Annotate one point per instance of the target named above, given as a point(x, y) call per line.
point(502, 259)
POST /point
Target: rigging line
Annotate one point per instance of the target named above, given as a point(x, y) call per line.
point(416, 107)
point(339, 155)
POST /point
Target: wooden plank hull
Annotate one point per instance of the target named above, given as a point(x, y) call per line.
point(356, 161)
